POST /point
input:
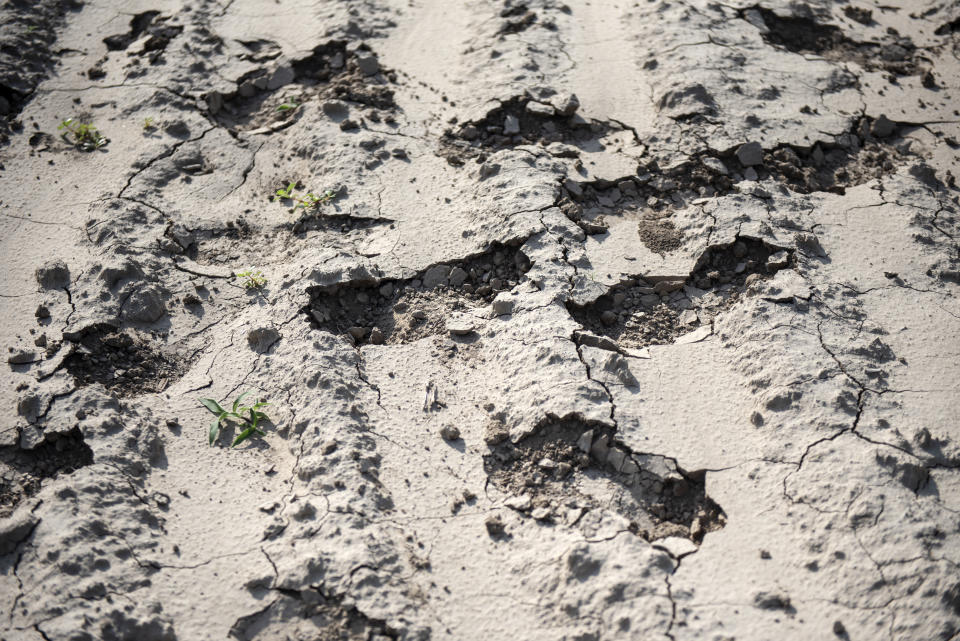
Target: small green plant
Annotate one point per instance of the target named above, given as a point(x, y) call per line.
point(248, 417)
point(32, 28)
point(85, 137)
point(287, 192)
point(288, 106)
point(308, 200)
point(148, 124)
point(252, 278)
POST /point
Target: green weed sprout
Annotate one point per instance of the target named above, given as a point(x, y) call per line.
point(148, 124)
point(84, 137)
point(308, 200)
point(248, 417)
point(252, 278)
point(288, 106)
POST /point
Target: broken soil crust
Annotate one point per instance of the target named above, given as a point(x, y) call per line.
point(403, 311)
point(558, 474)
point(23, 470)
point(125, 362)
point(636, 313)
point(269, 99)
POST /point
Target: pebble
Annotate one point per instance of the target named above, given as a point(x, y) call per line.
point(750, 154)
point(882, 127)
point(357, 332)
point(53, 274)
point(520, 503)
point(503, 306)
point(608, 317)
point(494, 526)
point(450, 433)
point(569, 105)
point(511, 125)
point(367, 64)
point(376, 336)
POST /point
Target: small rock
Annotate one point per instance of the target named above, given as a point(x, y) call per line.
point(469, 132)
point(367, 64)
point(750, 154)
point(494, 525)
point(386, 290)
point(460, 325)
point(348, 125)
point(520, 503)
point(750, 174)
point(335, 109)
point(450, 433)
point(261, 339)
point(569, 105)
point(436, 276)
point(715, 165)
point(53, 274)
point(357, 332)
point(145, 305)
point(585, 441)
point(541, 513)
point(608, 317)
point(282, 75)
point(42, 312)
point(376, 336)
point(458, 276)
point(21, 356)
point(419, 314)
point(489, 169)
point(883, 127)
point(540, 109)
point(511, 125)
point(778, 260)
point(503, 305)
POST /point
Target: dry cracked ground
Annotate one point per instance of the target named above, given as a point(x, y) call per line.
point(577, 320)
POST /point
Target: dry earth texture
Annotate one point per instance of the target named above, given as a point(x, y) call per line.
point(578, 320)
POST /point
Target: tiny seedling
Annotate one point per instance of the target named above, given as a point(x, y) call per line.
point(148, 124)
point(308, 200)
point(85, 137)
point(288, 106)
point(248, 417)
point(252, 278)
point(287, 192)
point(32, 28)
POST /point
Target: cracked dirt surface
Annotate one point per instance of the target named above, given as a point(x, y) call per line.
point(612, 320)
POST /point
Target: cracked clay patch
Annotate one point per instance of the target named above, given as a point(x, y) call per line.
point(403, 311)
point(569, 472)
point(642, 312)
point(308, 614)
point(22, 470)
point(125, 362)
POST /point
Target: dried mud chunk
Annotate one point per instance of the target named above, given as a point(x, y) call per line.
point(125, 362)
point(641, 312)
point(53, 274)
point(567, 464)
